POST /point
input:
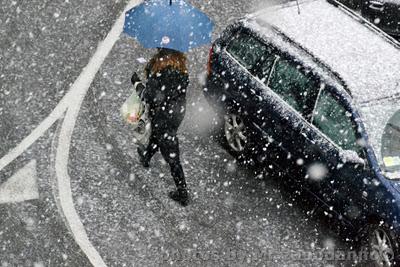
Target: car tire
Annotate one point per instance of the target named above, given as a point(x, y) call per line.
point(381, 246)
point(234, 137)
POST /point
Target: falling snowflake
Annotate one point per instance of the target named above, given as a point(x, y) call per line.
point(317, 171)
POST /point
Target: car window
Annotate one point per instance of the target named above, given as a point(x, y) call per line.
point(247, 49)
point(265, 66)
point(391, 144)
point(335, 122)
point(295, 87)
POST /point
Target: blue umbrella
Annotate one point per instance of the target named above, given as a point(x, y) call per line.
point(168, 24)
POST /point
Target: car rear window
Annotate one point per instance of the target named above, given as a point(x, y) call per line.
point(246, 49)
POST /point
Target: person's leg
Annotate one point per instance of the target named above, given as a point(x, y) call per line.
point(146, 153)
point(169, 147)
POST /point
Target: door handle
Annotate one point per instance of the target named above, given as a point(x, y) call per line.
point(304, 133)
point(375, 5)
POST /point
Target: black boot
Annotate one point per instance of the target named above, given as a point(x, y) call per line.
point(142, 157)
point(180, 195)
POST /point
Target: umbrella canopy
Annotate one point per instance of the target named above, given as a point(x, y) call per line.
point(172, 24)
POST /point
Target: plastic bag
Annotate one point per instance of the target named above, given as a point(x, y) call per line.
point(132, 109)
point(135, 112)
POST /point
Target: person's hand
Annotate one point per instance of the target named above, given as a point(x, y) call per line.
point(139, 89)
point(135, 78)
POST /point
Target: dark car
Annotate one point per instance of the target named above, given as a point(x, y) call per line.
point(385, 14)
point(317, 94)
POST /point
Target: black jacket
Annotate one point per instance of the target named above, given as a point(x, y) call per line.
point(166, 95)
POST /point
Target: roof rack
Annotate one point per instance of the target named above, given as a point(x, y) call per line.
point(381, 99)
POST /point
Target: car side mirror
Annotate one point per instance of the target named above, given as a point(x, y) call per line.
point(350, 156)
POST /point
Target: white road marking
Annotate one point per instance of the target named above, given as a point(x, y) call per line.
point(74, 92)
point(36, 134)
point(71, 103)
point(22, 186)
point(81, 87)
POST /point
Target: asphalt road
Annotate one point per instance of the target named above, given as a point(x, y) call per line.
point(43, 47)
point(237, 217)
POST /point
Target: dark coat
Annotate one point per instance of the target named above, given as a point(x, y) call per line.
point(166, 95)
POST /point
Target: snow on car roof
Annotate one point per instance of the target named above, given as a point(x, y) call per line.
point(369, 64)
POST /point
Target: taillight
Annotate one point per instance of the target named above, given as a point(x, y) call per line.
point(209, 68)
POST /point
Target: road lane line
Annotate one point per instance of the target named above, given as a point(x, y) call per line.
point(62, 106)
point(71, 103)
point(81, 86)
point(35, 135)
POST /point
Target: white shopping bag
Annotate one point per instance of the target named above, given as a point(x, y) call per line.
point(135, 113)
point(132, 109)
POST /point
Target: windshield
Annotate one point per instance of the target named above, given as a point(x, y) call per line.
point(382, 121)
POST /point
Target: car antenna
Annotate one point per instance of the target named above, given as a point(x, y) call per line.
point(298, 6)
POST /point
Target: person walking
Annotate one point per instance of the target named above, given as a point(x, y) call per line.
point(165, 94)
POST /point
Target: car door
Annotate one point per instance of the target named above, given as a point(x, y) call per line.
point(296, 89)
point(337, 172)
point(245, 53)
point(241, 57)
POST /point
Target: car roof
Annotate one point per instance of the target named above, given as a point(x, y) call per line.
point(365, 58)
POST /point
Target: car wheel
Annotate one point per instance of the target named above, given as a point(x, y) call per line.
point(235, 133)
point(382, 248)
point(235, 139)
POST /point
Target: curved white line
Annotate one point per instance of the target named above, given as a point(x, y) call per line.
point(72, 102)
point(62, 106)
point(78, 92)
point(76, 97)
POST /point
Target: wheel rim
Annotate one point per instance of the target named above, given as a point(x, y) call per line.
point(381, 248)
point(235, 132)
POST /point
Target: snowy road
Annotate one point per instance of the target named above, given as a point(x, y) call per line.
point(236, 218)
point(44, 46)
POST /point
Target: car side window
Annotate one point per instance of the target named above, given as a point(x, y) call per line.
point(295, 87)
point(265, 66)
point(247, 49)
point(333, 120)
